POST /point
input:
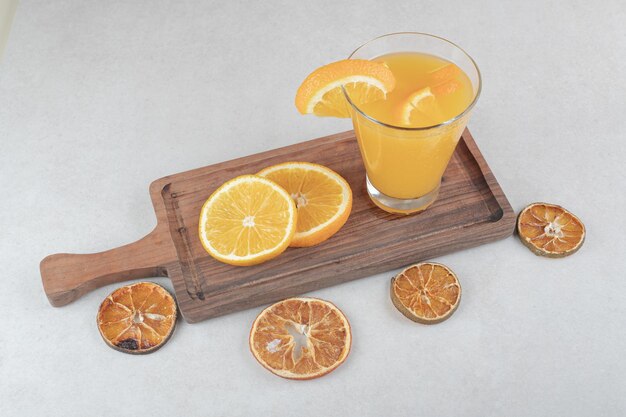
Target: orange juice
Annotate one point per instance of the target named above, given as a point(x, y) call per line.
point(408, 136)
point(451, 90)
point(403, 162)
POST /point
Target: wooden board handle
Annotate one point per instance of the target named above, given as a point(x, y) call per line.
point(67, 277)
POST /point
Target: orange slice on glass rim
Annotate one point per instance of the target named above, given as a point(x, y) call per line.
point(248, 220)
point(365, 81)
point(301, 338)
point(426, 293)
point(137, 318)
point(323, 199)
point(550, 230)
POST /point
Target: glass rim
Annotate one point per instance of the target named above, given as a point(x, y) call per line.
point(444, 123)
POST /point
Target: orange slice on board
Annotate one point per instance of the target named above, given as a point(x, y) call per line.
point(426, 293)
point(248, 220)
point(137, 318)
point(365, 81)
point(323, 199)
point(550, 230)
point(301, 338)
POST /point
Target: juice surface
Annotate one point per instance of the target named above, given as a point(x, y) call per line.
point(408, 164)
point(451, 87)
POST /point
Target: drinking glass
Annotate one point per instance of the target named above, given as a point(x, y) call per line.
point(404, 165)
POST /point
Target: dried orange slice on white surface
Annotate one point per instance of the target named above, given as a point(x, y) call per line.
point(426, 293)
point(137, 318)
point(550, 230)
point(323, 199)
point(301, 338)
point(365, 81)
point(248, 220)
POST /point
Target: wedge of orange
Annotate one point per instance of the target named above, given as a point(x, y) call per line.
point(301, 338)
point(446, 88)
point(426, 293)
point(248, 220)
point(323, 199)
point(421, 108)
point(137, 318)
point(444, 73)
point(364, 81)
point(550, 230)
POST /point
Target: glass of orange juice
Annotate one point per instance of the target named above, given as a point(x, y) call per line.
point(407, 138)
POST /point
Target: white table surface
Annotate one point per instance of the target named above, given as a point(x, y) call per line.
point(98, 98)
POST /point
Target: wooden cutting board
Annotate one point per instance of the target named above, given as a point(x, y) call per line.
point(471, 210)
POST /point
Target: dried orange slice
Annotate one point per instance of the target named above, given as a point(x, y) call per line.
point(137, 318)
point(365, 81)
point(550, 230)
point(427, 292)
point(248, 220)
point(323, 199)
point(301, 338)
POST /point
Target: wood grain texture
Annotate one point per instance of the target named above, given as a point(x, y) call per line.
point(471, 210)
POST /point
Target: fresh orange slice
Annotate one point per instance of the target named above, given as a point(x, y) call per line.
point(427, 292)
point(446, 88)
point(301, 338)
point(550, 230)
point(323, 199)
point(421, 106)
point(248, 220)
point(137, 318)
point(444, 73)
point(365, 81)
